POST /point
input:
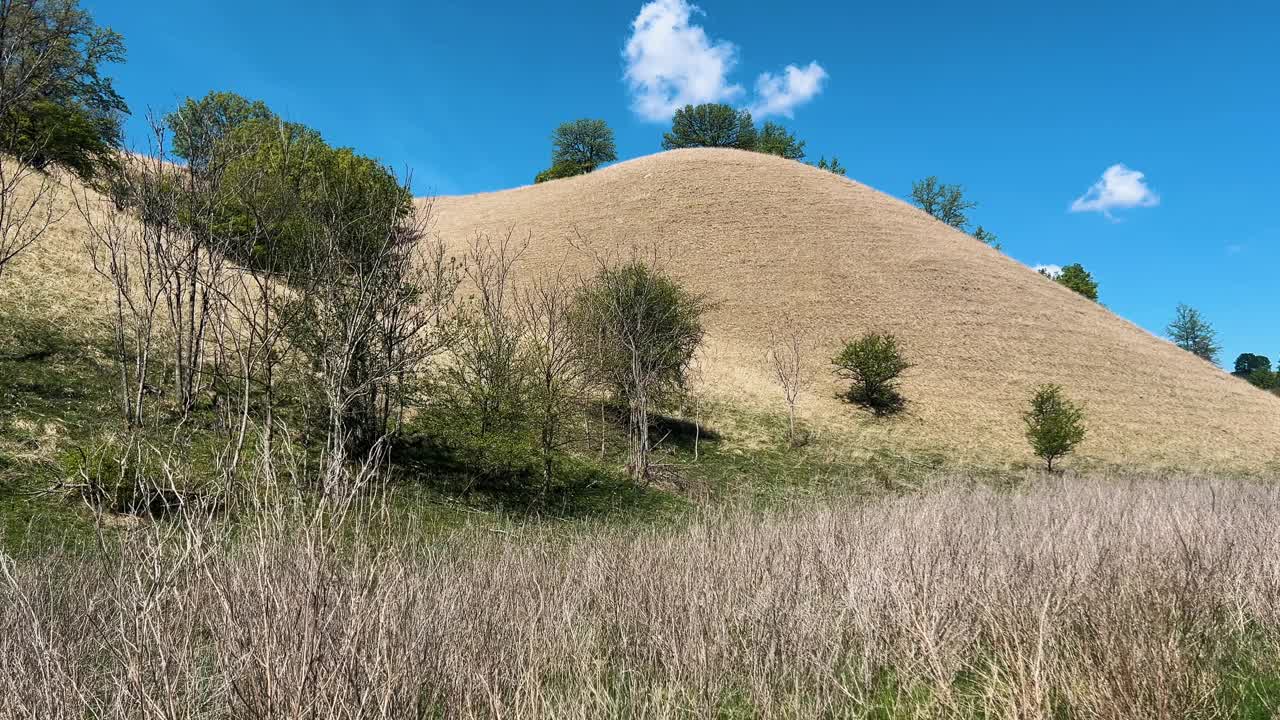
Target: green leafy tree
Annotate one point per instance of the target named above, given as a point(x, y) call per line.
point(873, 363)
point(585, 143)
point(834, 166)
point(641, 328)
point(1264, 379)
point(710, 125)
point(773, 139)
point(56, 106)
point(1078, 279)
point(198, 126)
point(984, 236)
point(944, 202)
point(1191, 332)
point(1055, 425)
point(1248, 363)
point(562, 170)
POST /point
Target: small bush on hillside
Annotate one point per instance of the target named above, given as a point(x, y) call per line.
point(774, 139)
point(873, 362)
point(1191, 332)
point(562, 170)
point(1075, 277)
point(1055, 425)
point(833, 166)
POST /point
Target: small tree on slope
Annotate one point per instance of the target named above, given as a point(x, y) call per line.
point(1193, 333)
point(873, 362)
point(1055, 425)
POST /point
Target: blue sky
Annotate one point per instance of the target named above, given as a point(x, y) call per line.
point(1023, 104)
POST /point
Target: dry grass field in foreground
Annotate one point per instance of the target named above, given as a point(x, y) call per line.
point(1104, 598)
point(777, 242)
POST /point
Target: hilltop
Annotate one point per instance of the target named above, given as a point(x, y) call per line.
point(773, 241)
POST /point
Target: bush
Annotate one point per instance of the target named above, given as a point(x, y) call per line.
point(834, 166)
point(1078, 279)
point(1055, 425)
point(873, 362)
point(773, 139)
point(562, 170)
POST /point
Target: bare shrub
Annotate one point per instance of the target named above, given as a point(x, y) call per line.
point(787, 359)
point(1100, 598)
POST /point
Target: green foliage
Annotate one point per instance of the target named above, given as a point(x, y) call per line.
point(983, 236)
point(773, 139)
point(639, 328)
point(562, 170)
point(199, 126)
point(873, 363)
point(584, 143)
point(1264, 379)
point(288, 182)
point(834, 166)
point(944, 202)
point(56, 108)
point(1248, 363)
point(710, 125)
point(1074, 276)
point(1055, 425)
point(1193, 333)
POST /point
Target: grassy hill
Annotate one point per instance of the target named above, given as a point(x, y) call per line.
point(775, 242)
point(772, 242)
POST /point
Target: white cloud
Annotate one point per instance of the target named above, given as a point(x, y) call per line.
point(672, 62)
point(1052, 271)
point(780, 94)
point(1119, 188)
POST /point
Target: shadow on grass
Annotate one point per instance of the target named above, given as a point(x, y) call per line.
point(500, 475)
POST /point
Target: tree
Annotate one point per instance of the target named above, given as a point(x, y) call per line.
point(710, 125)
point(1193, 333)
point(488, 369)
point(586, 143)
point(198, 126)
point(56, 107)
point(1247, 363)
point(834, 166)
point(944, 202)
point(983, 236)
point(1074, 276)
point(790, 369)
point(643, 330)
point(1054, 424)
point(556, 366)
point(1264, 379)
point(773, 139)
point(873, 362)
point(562, 170)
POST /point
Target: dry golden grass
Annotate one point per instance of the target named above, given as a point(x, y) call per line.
point(1101, 598)
point(769, 238)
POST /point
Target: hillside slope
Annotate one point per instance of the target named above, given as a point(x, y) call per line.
point(770, 239)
